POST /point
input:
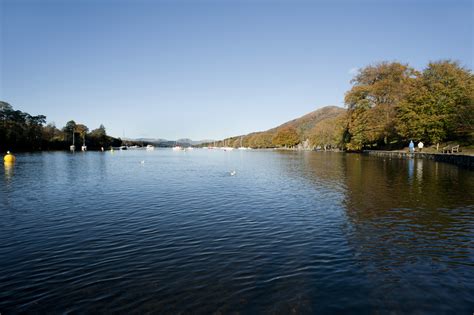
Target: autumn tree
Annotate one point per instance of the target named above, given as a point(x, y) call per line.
point(372, 101)
point(259, 140)
point(329, 132)
point(286, 137)
point(439, 105)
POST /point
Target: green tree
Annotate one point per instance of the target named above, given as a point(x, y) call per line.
point(99, 138)
point(51, 133)
point(69, 130)
point(34, 130)
point(19, 130)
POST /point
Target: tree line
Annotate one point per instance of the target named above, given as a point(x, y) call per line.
point(389, 104)
point(20, 131)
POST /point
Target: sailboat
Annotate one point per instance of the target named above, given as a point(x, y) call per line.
point(227, 148)
point(84, 147)
point(177, 147)
point(72, 147)
point(241, 147)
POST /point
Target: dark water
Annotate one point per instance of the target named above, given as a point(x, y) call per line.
point(289, 233)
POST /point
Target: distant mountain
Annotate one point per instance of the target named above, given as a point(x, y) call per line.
point(167, 143)
point(151, 140)
point(194, 142)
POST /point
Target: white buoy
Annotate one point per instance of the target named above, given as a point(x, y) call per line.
point(142, 162)
point(233, 173)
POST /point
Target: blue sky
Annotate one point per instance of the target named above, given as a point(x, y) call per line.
point(210, 69)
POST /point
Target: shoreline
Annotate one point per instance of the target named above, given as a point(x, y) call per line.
point(461, 160)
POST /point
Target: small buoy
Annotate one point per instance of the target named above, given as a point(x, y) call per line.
point(233, 173)
point(9, 158)
point(142, 162)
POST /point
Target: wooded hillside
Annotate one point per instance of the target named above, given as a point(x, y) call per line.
point(389, 104)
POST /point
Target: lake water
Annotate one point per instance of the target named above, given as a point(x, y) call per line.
point(291, 232)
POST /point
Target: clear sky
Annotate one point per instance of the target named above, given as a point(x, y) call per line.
point(210, 69)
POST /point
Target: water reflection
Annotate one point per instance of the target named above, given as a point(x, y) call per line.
point(9, 166)
point(419, 170)
point(405, 230)
point(321, 169)
point(406, 223)
point(411, 169)
point(292, 232)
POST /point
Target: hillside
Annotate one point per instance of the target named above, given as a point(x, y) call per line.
point(306, 123)
point(302, 125)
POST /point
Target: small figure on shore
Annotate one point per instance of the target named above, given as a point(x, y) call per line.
point(411, 146)
point(420, 146)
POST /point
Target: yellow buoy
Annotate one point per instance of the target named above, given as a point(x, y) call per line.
point(9, 158)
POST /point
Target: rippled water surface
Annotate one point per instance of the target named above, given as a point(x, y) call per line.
point(290, 232)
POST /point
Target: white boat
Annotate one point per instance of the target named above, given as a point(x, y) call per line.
point(242, 147)
point(150, 147)
point(72, 147)
point(177, 147)
point(226, 147)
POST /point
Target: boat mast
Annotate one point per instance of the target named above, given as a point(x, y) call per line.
point(72, 147)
